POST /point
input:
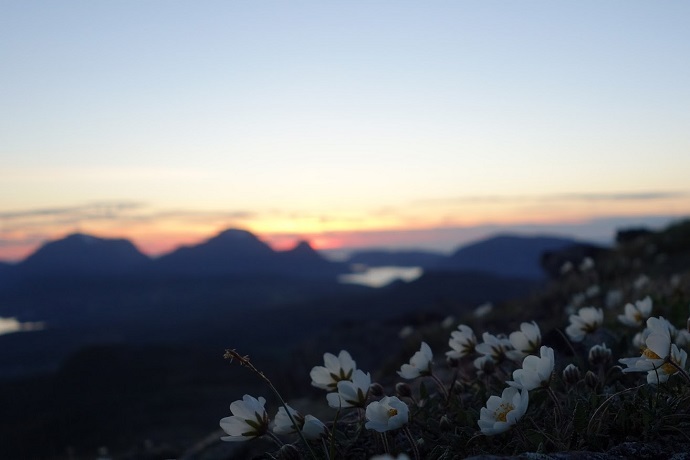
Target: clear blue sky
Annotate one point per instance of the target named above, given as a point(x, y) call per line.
point(165, 121)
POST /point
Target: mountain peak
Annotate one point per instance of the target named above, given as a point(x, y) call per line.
point(303, 246)
point(236, 234)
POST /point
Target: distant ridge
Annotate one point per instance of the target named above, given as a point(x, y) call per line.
point(510, 256)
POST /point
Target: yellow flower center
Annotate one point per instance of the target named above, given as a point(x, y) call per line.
point(647, 353)
point(637, 316)
point(668, 368)
point(502, 411)
point(392, 412)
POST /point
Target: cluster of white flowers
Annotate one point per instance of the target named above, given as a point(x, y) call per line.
point(518, 359)
point(502, 412)
point(250, 420)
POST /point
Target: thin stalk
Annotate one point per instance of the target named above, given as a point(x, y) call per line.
point(556, 403)
point(591, 419)
point(244, 361)
point(415, 450)
point(441, 386)
point(384, 441)
point(325, 448)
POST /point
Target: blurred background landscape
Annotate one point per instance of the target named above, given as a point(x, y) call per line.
point(294, 179)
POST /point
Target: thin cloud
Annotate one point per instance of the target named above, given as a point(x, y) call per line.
point(123, 212)
point(98, 208)
point(590, 197)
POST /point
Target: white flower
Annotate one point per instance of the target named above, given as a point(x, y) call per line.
point(639, 339)
point(636, 314)
point(484, 365)
point(494, 346)
point(335, 369)
point(586, 264)
point(658, 349)
point(503, 412)
point(420, 364)
point(525, 342)
point(578, 299)
point(588, 319)
point(310, 426)
point(483, 310)
point(682, 338)
point(406, 332)
point(448, 322)
point(566, 267)
point(351, 393)
point(313, 428)
point(613, 298)
point(536, 371)
point(640, 282)
point(389, 413)
point(592, 291)
point(462, 342)
point(249, 419)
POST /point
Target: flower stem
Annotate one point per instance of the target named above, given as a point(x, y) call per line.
point(384, 441)
point(415, 450)
point(245, 362)
point(556, 403)
point(441, 386)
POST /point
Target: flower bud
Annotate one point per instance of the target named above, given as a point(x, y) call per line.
point(403, 390)
point(571, 374)
point(591, 380)
point(599, 355)
point(376, 389)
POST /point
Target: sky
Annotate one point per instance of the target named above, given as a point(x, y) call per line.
point(349, 124)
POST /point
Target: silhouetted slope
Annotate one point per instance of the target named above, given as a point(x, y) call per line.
point(505, 255)
point(304, 261)
point(238, 252)
point(80, 254)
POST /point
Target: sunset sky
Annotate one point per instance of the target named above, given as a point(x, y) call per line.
point(351, 124)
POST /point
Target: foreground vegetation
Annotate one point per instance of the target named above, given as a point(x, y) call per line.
point(596, 361)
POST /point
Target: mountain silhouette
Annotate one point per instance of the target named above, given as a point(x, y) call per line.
point(239, 252)
point(308, 262)
point(80, 254)
point(505, 255)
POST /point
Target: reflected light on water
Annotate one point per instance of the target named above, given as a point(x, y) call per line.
point(381, 276)
point(9, 325)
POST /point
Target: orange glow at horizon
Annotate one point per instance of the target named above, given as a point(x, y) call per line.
point(412, 225)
